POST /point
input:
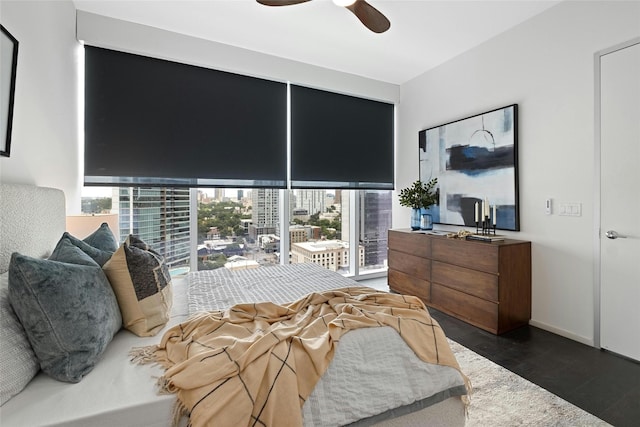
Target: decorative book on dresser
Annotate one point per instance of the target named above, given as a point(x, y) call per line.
point(486, 284)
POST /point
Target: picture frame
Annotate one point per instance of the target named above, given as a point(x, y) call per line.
point(8, 69)
point(476, 162)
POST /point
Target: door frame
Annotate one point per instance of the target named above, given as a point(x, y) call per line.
point(597, 179)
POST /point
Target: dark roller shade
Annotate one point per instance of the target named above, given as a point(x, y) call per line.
point(340, 141)
point(160, 123)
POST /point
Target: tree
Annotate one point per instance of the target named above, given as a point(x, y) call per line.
point(212, 262)
point(226, 216)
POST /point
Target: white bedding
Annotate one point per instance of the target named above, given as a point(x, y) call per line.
point(373, 370)
point(115, 393)
point(119, 393)
point(220, 289)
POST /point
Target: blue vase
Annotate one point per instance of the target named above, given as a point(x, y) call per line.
point(426, 221)
point(416, 217)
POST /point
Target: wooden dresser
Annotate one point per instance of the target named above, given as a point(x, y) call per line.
point(485, 284)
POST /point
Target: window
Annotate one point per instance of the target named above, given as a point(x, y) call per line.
point(375, 221)
point(158, 216)
point(240, 228)
point(323, 220)
point(159, 128)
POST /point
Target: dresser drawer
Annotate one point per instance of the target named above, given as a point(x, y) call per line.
point(485, 284)
point(476, 311)
point(409, 264)
point(477, 283)
point(411, 243)
point(408, 285)
point(478, 256)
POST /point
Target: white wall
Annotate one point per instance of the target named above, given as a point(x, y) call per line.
point(44, 143)
point(546, 66)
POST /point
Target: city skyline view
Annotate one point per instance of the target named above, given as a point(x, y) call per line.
point(254, 231)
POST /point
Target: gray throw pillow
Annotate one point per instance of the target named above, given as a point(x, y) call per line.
point(69, 311)
point(66, 251)
point(98, 255)
point(18, 363)
point(102, 239)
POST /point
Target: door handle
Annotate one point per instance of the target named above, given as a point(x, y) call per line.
point(612, 234)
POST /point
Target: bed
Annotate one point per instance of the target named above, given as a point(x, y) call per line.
point(118, 392)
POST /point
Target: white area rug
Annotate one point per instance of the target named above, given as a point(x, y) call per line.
point(502, 398)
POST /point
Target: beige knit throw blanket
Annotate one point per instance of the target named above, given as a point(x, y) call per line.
point(255, 364)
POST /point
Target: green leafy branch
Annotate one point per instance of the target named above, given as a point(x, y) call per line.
point(419, 194)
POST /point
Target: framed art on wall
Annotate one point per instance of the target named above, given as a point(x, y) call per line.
point(8, 67)
point(476, 162)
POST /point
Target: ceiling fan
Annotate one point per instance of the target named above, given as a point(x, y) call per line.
point(367, 14)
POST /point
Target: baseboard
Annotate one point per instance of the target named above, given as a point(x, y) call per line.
point(562, 333)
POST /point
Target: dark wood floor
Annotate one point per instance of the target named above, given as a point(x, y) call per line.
point(601, 383)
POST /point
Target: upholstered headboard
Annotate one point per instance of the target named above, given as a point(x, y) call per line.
point(32, 219)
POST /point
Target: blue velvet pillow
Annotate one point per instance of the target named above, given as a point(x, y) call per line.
point(66, 251)
point(69, 311)
point(102, 239)
point(98, 255)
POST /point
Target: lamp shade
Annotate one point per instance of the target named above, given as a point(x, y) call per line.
point(81, 226)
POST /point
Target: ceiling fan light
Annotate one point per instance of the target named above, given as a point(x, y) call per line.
point(344, 3)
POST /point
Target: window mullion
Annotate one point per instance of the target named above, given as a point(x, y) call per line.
point(354, 223)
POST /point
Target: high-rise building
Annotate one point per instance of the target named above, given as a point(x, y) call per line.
point(159, 217)
point(311, 200)
point(337, 198)
point(375, 221)
point(265, 212)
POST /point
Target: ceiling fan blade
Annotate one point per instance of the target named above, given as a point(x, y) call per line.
point(371, 17)
point(280, 2)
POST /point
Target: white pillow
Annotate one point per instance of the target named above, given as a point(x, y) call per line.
point(18, 362)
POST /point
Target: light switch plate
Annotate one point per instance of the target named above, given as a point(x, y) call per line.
point(570, 209)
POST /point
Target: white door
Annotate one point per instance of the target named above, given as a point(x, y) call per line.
point(620, 201)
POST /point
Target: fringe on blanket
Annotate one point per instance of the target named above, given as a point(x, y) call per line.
point(466, 398)
point(143, 355)
point(179, 411)
point(148, 356)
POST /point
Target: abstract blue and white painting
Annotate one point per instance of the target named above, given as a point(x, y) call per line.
point(475, 160)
